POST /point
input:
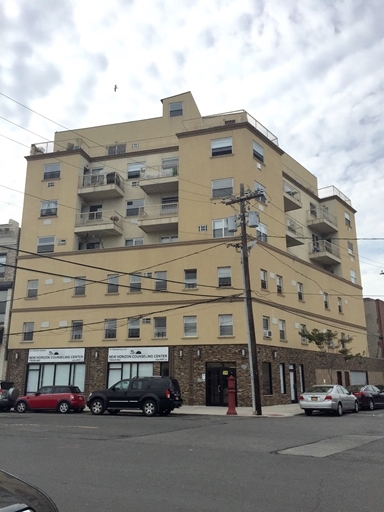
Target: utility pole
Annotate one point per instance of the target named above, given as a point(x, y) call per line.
point(252, 350)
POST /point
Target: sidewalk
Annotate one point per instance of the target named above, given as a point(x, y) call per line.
point(272, 411)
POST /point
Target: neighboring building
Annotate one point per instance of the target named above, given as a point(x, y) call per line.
point(374, 315)
point(9, 238)
point(133, 270)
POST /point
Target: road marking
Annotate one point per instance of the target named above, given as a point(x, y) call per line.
point(330, 446)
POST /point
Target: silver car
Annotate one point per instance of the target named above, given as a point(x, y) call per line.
point(328, 397)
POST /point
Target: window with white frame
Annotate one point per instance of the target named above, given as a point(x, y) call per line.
point(160, 327)
point(160, 281)
point(300, 291)
point(32, 288)
point(135, 283)
point(45, 244)
point(117, 149)
point(266, 323)
point(347, 218)
point(261, 190)
point(282, 332)
point(190, 278)
point(350, 247)
point(169, 239)
point(134, 241)
point(221, 146)
point(135, 207)
point(110, 328)
point(135, 169)
point(190, 326)
point(113, 283)
point(339, 305)
point(52, 171)
point(222, 187)
point(28, 328)
point(313, 209)
point(225, 325)
point(258, 151)
point(79, 288)
point(262, 232)
point(224, 276)
point(176, 109)
point(326, 300)
point(48, 208)
point(263, 279)
point(353, 276)
point(279, 284)
point(133, 327)
point(220, 228)
point(77, 330)
point(3, 261)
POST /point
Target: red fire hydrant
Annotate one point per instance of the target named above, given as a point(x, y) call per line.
point(231, 396)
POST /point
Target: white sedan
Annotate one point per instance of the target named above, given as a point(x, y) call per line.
point(328, 397)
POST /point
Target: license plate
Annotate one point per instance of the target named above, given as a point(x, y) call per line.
point(314, 398)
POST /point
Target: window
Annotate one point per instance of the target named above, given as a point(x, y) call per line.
point(77, 330)
point(135, 283)
point(176, 109)
point(190, 278)
point(170, 166)
point(263, 279)
point(160, 327)
point(283, 386)
point(113, 283)
point(300, 291)
point(190, 326)
point(261, 190)
point(221, 146)
point(266, 372)
point(3, 260)
point(313, 210)
point(353, 276)
point(134, 241)
point(225, 325)
point(52, 171)
point(135, 207)
point(3, 305)
point(169, 204)
point(119, 149)
point(266, 330)
point(45, 244)
point(347, 218)
point(224, 276)
point(303, 328)
point(279, 284)
point(222, 188)
point(220, 228)
point(32, 287)
point(326, 300)
point(160, 281)
point(93, 177)
point(339, 304)
point(350, 247)
point(79, 288)
point(28, 328)
point(48, 208)
point(169, 239)
point(85, 246)
point(110, 329)
point(262, 232)
point(282, 332)
point(133, 327)
point(258, 151)
point(134, 170)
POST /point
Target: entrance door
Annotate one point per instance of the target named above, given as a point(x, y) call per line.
point(217, 383)
point(292, 383)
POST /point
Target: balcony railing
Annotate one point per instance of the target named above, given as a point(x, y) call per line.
point(323, 246)
point(99, 218)
point(294, 232)
point(320, 214)
point(159, 210)
point(98, 180)
point(333, 191)
point(154, 174)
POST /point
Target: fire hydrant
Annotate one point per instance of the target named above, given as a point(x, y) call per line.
point(231, 396)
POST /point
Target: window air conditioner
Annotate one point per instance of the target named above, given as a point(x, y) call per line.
point(267, 334)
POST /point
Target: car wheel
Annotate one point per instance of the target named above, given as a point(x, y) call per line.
point(356, 408)
point(150, 408)
point(113, 411)
point(63, 407)
point(165, 412)
point(21, 406)
point(339, 410)
point(371, 405)
point(97, 406)
point(308, 412)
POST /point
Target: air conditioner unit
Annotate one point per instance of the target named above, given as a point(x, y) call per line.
point(259, 166)
point(267, 334)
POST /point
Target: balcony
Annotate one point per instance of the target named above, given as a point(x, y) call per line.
point(157, 218)
point(293, 232)
point(321, 221)
point(101, 186)
point(324, 252)
point(100, 223)
point(292, 197)
point(159, 182)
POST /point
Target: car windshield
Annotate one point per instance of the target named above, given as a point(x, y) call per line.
point(319, 389)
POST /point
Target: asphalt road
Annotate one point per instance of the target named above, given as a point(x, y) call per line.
point(199, 463)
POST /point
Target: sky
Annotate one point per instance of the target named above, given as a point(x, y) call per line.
point(308, 70)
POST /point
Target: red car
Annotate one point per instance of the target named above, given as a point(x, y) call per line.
point(53, 398)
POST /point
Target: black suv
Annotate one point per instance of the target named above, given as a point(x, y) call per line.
point(8, 395)
point(153, 395)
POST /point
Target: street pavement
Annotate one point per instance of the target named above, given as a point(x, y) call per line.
point(270, 411)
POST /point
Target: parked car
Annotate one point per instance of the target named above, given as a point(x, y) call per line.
point(8, 395)
point(369, 397)
point(53, 398)
point(380, 386)
point(153, 395)
point(18, 496)
point(328, 397)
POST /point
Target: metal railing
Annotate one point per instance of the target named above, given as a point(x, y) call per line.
point(97, 180)
point(321, 214)
point(293, 227)
point(333, 191)
point(290, 190)
point(100, 217)
point(159, 210)
point(162, 173)
point(324, 246)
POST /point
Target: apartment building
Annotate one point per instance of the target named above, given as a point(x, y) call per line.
point(127, 266)
point(9, 239)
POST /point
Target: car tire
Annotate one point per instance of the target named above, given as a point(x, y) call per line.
point(21, 406)
point(149, 408)
point(165, 412)
point(113, 411)
point(339, 410)
point(97, 406)
point(63, 408)
point(356, 408)
point(371, 405)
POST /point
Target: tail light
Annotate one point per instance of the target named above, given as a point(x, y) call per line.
point(357, 393)
point(168, 394)
point(328, 397)
point(301, 397)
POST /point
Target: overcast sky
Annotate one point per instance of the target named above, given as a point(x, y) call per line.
point(309, 70)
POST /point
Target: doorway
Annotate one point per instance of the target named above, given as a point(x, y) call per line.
point(292, 383)
point(217, 383)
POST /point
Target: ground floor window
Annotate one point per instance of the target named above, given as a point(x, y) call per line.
point(55, 374)
point(119, 371)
